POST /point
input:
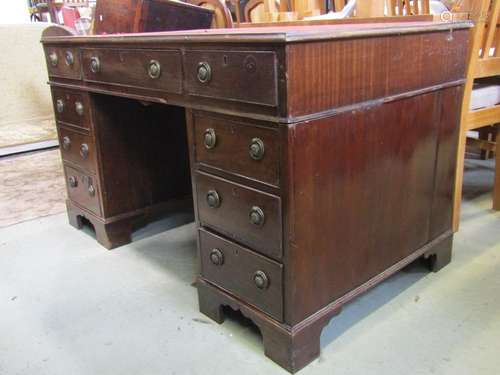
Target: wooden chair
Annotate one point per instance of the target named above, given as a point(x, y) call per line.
point(222, 15)
point(484, 61)
point(407, 7)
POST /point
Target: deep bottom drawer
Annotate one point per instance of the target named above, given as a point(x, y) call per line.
point(252, 277)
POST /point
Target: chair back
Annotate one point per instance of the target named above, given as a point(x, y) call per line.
point(408, 7)
point(222, 16)
point(485, 51)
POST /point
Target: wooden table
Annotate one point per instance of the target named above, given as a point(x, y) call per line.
point(322, 158)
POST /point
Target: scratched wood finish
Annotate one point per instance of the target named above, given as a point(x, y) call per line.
point(325, 75)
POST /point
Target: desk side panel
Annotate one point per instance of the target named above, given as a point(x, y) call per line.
point(360, 195)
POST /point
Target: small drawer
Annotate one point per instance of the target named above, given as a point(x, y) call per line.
point(148, 69)
point(71, 107)
point(78, 148)
point(83, 189)
point(246, 215)
point(235, 147)
point(250, 276)
point(244, 76)
point(63, 62)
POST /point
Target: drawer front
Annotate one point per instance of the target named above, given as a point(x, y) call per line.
point(83, 189)
point(63, 62)
point(71, 107)
point(78, 148)
point(245, 76)
point(244, 150)
point(250, 276)
point(248, 216)
point(157, 70)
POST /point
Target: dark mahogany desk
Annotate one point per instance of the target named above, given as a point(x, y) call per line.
point(322, 158)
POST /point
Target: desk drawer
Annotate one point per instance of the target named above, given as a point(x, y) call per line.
point(149, 69)
point(63, 62)
point(83, 189)
point(245, 76)
point(248, 216)
point(78, 148)
point(250, 276)
point(237, 148)
point(71, 107)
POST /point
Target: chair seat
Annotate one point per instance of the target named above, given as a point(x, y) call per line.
point(484, 96)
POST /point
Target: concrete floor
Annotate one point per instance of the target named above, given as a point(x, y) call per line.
point(69, 307)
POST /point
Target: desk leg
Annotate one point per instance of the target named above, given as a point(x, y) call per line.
point(109, 235)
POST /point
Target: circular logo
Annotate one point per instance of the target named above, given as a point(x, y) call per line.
point(446, 16)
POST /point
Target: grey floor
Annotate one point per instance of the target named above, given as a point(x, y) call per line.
point(69, 307)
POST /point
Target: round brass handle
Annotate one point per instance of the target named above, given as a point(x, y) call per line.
point(60, 105)
point(257, 216)
point(84, 151)
point(154, 69)
point(204, 72)
point(213, 199)
point(73, 182)
point(91, 190)
point(217, 257)
point(54, 60)
point(209, 138)
point(70, 59)
point(261, 280)
point(79, 108)
point(256, 149)
point(95, 65)
point(66, 143)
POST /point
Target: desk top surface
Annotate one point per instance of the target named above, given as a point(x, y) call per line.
point(278, 34)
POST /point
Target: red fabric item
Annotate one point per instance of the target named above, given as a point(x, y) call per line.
point(70, 15)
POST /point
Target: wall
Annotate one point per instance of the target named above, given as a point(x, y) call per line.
point(14, 11)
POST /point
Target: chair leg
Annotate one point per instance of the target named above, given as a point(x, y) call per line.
point(496, 186)
point(459, 177)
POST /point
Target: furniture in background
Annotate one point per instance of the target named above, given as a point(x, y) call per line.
point(304, 193)
point(481, 104)
point(222, 16)
point(137, 16)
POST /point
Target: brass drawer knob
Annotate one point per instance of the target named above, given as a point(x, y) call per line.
point(213, 199)
point(79, 108)
point(209, 138)
point(70, 59)
point(204, 72)
point(66, 143)
point(261, 280)
point(154, 69)
point(91, 190)
point(95, 65)
point(54, 60)
point(60, 105)
point(256, 149)
point(217, 257)
point(73, 182)
point(257, 216)
point(84, 151)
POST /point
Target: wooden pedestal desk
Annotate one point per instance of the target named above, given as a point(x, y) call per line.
point(322, 158)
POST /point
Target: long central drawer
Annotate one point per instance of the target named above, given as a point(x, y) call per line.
point(151, 69)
